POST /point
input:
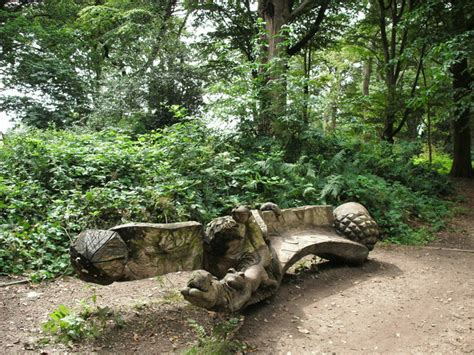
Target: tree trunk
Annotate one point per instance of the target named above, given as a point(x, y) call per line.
point(393, 47)
point(462, 166)
point(307, 74)
point(276, 14)
point(367, 72)
point(390, 112)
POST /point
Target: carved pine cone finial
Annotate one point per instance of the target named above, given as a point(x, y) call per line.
point(353, 221)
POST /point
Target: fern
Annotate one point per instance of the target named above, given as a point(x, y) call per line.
point(332, 188)
point(336, 164)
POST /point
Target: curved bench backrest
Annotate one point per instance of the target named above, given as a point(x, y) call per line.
point(298, 219)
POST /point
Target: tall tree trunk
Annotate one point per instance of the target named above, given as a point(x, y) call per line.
point(393, 47)
point(307, 74)
point(366, 76)
point(276, 14)
point(462, 166)
point(367, 72)
point(428, 119)
point(390, 111)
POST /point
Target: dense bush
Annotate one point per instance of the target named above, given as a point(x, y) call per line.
point(54, 184)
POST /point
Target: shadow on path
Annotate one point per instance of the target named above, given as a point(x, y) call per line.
point(304, 289)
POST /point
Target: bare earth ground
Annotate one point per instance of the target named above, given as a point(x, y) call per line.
point(404, 300)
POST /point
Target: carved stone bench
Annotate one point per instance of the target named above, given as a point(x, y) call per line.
point(309, 230)
point(239, 259)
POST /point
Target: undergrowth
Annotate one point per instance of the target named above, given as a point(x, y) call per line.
point(53, 184)
point(219, 341)
point(66, 325)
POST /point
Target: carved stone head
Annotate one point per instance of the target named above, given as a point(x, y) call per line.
point(241, 214)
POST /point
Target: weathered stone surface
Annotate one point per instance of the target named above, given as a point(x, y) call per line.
point(157, 249)
point(251, 258)
point(240, 259)
point(99, 256)
point(238, 254)
point(136, 251)
point(299, 218)
point(322, 242)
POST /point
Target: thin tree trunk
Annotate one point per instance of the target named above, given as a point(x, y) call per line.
point(392, 48)
point(367, 72)
point(430, 142)
point(390, 113)
point(408, 110)
point(428, 119)
point(307, 71)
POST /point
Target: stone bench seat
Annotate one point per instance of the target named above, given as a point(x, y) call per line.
point(308, 230)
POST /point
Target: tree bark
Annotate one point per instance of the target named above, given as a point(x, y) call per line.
point(462, 166)
point(393, 49)
point(276, 14)
point(367, 72)
point(307, 75)
point(273, 95)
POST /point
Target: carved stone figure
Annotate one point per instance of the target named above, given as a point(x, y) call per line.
point(237, 253)
point(237, 260)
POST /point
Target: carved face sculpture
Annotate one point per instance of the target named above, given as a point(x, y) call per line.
point(225, 236)
point(241, 214)
point(202, 289)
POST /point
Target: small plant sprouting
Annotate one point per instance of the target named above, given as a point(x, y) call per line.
point(85, 324)
point(219, 341)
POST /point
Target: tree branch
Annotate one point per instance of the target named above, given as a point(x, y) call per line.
point(400, 52)
point(312, 31)
point(412, 93)
point(167, 13)
point(181, 28)
point(304, 7)
point(383, 31)
point(400, 13)
point(393, 32)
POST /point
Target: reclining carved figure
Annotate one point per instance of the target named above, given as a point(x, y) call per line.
point(238, 260)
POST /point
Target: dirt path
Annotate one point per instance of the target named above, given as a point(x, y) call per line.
point(404, 300)
point(460, 231)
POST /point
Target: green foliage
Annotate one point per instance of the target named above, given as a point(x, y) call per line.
point(118, 63)
point(127, 67)
point(219, 342)
point(398, 193)
point(88, 323)
point(54, 184)
point(441, 161)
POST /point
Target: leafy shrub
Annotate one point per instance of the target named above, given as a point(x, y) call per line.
point(441, 161)
point(219, 341)
point(88, 323)
point(53, 184)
